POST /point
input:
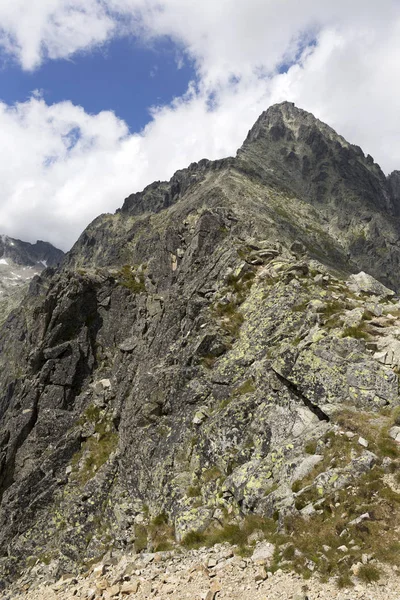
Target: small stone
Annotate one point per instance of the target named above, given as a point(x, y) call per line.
point(200, 416)
point(146, 587)
point(261, 574)
point(359, 519)
point(211, 563)
point(343, 548)
point(363, 442)
point(394, 433)
point(365, 558)
point(213, 591)
point(256, 536)
point(113, 590)
point(129, 587)
point(263, 552)
point(128, 345)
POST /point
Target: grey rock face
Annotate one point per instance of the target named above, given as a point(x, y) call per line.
point(191, 345)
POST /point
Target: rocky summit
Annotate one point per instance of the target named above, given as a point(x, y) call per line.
point(214, 366)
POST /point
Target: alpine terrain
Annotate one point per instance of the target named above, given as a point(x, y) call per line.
point(210, 379)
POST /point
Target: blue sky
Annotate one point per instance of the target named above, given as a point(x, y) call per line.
point(123, 76)
point(118, 108)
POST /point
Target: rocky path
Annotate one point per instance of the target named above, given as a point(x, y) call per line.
point(215, 574)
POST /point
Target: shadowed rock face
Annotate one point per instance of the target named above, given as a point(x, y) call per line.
point(197, 340)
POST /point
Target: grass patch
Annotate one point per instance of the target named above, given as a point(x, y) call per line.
point(211, 474)
point(358, 332)
point(332, 308)
point(194, 491)
point(208, 361)
point(95, 450)
point(301, 307)
point(311, 447)
point(227, 313)
point(374, 428)
point(247, 387)
point(230, 318)
point(233, 533)
point(129, 278)
point(369, 573)
point(141, 538)
point(161, 533)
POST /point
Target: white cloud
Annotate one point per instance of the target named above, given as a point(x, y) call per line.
point(64, 167)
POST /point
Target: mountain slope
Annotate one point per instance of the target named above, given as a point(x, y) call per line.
point(199, 356)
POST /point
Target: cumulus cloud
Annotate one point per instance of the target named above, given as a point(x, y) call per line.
point(63, 167)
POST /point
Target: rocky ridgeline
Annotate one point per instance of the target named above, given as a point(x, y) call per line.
point(215, 363)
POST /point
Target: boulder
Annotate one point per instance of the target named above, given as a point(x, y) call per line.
point(363, 282)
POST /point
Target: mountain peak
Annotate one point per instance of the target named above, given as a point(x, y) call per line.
point(289, 146)
point(286, 121)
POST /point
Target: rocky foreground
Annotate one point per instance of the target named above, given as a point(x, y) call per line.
point(205, 574)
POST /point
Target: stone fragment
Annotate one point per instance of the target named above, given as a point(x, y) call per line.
point(99, 570)
point(113, 590)
point(353, 318)
point(261, 574)
point(263, 552)
point(200, 416)
point(394, 433)
point(213, 591)
point(128, 345)
point(130, 587)
point(363, 442)
point(145, 588)
point(360, 519)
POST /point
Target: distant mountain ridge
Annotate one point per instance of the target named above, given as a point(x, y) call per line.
point(19, 263)
point(27, 254)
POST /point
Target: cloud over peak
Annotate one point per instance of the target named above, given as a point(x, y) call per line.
point(63, 166)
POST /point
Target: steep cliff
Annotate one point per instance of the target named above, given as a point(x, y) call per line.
point(199, 355)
